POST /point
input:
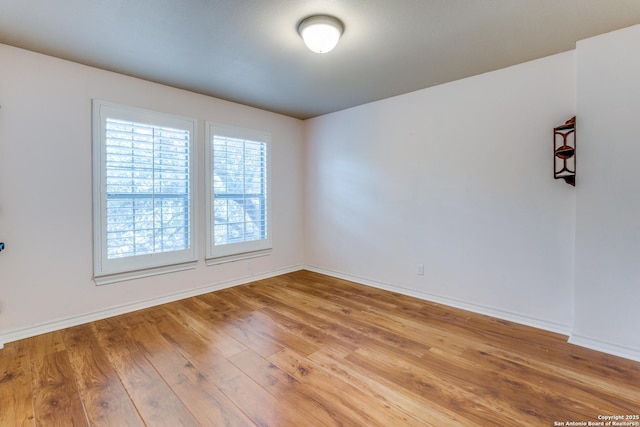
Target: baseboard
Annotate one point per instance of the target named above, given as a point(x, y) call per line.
point(68, 322)
point(475, 308)
point(605, 347)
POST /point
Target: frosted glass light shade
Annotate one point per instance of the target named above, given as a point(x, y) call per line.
point(320, 33)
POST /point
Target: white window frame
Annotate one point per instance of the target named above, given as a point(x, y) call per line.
point(126, 268)
point(217, 254)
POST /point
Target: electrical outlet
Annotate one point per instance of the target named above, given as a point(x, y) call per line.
point(420, 269)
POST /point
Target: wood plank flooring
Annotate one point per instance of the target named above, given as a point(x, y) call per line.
point(305, 349)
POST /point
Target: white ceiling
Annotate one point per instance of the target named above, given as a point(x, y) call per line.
point(248, 51)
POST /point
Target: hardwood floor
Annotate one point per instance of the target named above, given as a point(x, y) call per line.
point(305, 349)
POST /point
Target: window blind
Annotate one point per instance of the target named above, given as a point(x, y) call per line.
point(147, 189)
point(239, 187)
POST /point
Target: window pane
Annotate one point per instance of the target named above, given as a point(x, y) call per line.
point(239, 190)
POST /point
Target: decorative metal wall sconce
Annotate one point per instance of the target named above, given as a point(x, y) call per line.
point(564, 152)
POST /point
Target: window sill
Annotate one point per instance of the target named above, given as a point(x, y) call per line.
point(237, 257)
point(137, 274)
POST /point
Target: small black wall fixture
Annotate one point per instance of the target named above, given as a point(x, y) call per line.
point(564, 152)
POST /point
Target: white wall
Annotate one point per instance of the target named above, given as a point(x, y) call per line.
point(458, 177)
point(45, 191)
point(607, 296)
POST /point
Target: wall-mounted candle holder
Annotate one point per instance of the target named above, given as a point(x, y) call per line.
point(564, 152)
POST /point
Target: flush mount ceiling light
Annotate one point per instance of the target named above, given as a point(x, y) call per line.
point(320, 32)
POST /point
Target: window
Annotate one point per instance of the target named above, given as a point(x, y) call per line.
point(238, 211)
point(143, 192)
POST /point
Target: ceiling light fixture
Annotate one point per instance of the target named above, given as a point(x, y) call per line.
point(320, 32)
